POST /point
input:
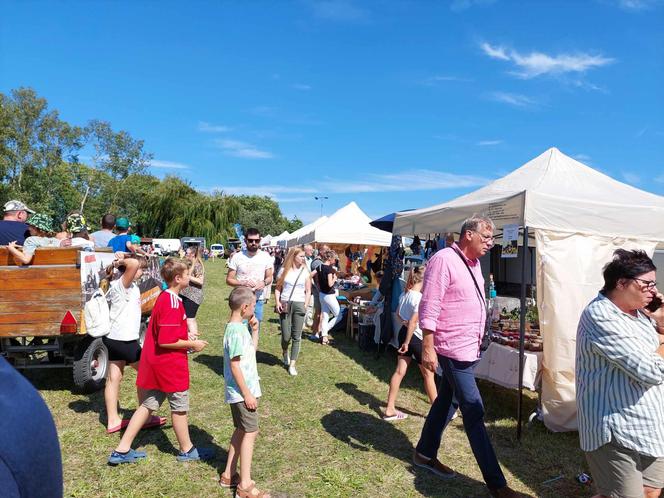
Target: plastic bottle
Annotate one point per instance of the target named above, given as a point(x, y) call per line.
point(492, 287)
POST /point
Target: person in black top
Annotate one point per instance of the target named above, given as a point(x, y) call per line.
point(30, 462)
point(12, 226)
point(330, 311)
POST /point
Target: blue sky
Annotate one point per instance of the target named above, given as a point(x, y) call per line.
point(392, 104)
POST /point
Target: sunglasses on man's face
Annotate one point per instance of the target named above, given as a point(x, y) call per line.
point(253, 241)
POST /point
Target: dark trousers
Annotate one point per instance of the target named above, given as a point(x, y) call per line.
point(458, 389)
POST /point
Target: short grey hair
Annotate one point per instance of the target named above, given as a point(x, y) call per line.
point(473, 223)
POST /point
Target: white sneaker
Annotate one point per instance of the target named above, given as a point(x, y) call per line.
point(286, 359)
point(292, 371)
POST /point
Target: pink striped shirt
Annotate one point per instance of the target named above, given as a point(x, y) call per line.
point(451, 307)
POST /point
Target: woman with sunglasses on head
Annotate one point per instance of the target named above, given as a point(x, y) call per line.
point(620, 380)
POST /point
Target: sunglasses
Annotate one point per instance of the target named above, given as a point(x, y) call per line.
point(253, 241)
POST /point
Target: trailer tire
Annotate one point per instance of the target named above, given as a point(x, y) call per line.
point(90, 364)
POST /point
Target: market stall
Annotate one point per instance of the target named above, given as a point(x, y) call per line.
point(294, 238)
point(573, 217)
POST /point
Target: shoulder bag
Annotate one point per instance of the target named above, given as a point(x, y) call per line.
point(285, 305)
point(485, 338)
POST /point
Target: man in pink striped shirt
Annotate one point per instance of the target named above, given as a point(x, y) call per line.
point(452, 316)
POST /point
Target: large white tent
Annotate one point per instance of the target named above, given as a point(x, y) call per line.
point(348, 225)
point(293, 238)
point(280, 240)
point(579, 216)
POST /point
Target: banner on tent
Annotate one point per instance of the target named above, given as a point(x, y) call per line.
point(510, 248)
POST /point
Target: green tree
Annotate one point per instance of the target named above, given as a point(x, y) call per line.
point(264, 214)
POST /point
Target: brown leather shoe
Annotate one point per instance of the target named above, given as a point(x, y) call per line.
point(433, 465)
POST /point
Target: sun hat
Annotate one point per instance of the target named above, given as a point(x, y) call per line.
point(76, 223)
point(122, 223)
point(15, 205)
point(42, 222)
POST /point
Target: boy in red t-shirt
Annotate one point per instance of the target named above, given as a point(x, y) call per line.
point(163, 371)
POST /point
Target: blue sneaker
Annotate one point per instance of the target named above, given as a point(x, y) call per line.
point(195, 454)
point(131, 456)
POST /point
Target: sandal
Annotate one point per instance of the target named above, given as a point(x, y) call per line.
point(251, 492)
point(154, 421)
point(324, 340)
point(119, 427)
point(397, 416)
point(229, 483)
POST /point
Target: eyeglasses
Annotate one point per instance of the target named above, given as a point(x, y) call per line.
point(649, 284)
point(485, 238)
point(253, 241)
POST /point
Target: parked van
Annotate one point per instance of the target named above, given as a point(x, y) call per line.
point(217, 250)
point(166, 247)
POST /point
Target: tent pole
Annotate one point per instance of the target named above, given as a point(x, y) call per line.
point(522, 331)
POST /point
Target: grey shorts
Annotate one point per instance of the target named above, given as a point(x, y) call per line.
point(619, 472)
point(243, 418)
point(153, 398)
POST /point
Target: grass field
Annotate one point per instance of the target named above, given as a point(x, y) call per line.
point(321, 433)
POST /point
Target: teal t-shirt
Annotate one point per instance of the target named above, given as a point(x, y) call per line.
point(237, 342)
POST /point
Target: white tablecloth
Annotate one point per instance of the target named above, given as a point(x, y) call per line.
point(500, 365)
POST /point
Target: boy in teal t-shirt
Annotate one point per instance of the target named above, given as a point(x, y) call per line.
point(242, 390)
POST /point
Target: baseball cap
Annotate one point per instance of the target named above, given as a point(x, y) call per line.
point(135, 239)
point(76, 223)
point(122, 223)
point(15, 205)
point(41, 221)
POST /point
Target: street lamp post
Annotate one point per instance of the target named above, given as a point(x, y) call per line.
point(321, 198)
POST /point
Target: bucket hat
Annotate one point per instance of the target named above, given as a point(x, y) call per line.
point(41, 221)
point(76, 223)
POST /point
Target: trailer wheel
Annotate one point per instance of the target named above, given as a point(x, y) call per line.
point(90, 364)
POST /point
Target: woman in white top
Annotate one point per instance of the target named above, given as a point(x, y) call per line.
point(292, 293)
point(410, 345)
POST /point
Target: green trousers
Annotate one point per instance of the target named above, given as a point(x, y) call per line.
point(291, 328)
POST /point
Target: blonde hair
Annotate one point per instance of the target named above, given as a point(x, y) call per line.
point(172, 268)
point(240, 296)
point(289, 263)
point(415, 276)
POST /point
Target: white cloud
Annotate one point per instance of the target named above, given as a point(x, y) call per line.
point(337, 10)
point(538, 63)
point(210, 128)
point(244, 150)
point(514, 99)
point(489, 142)
point(631, 177)
point(459, 5)
point(445, 78)
point(302, 86)
point(404, 181)
point(155, 163)
point(638, 5)
point(495, 52)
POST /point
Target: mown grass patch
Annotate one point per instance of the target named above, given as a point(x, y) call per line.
point(321, 433)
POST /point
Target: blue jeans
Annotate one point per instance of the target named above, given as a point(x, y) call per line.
point(258, 313)
point(458, 383)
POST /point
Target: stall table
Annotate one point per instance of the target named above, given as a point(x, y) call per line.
point(500, 365)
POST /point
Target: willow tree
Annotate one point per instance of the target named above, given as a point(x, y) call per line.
point(175, 209)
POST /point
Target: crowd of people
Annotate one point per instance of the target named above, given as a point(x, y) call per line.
point(443, 317)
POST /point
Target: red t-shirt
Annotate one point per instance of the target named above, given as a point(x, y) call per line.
point(165, 369)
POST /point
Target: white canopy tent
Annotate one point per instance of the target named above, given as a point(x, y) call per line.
point(348, 225)
point(293, 239)
point(579, 216)
point(280, 240)
point(265, 241)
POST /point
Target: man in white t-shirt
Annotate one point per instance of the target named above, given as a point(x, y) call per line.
point(252, 268)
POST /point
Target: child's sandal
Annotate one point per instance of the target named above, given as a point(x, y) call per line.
point(251, 492)
point(224, 482)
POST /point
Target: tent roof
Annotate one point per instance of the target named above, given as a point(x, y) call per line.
point(293, 238)
point(551, 191)
point(348, 225)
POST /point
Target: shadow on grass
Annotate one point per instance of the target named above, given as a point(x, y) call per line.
point(369, 400)
point(94, 403)
point(214, 363)
point(51, 379)
point(364, 432)
point(267, 358)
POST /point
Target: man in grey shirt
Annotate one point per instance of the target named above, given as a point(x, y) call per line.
point(101, 237)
